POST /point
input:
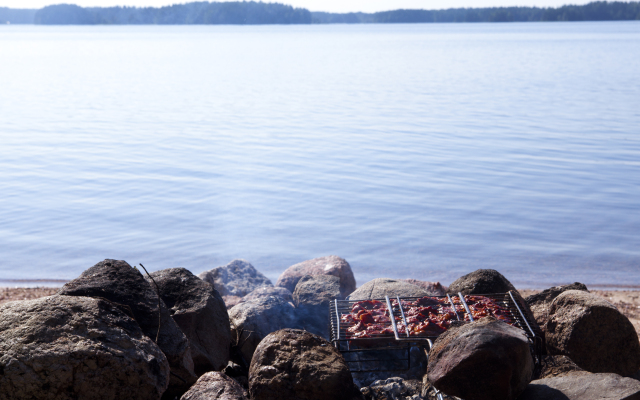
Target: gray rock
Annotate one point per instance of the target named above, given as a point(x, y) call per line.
point(292, 364)
point(539, 303)
point(266, 291)
point(64, 348)
point(378, 288)
point(481, 281)
point(593, 333)
point(583, 386)
point(312, 297)
point(394, 388)
point(331, 265)
point(200, 313)
point(253, 320)
point(215, 386)
point(434, 288)
point(238, 278)
point(118, 282)
point(483, 360)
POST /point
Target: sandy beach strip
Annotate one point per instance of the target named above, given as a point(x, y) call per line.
point(627, 301)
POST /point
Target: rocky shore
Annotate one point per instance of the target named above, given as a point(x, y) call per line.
point(230, 333)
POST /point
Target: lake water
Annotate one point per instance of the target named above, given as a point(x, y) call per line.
point(422, 151)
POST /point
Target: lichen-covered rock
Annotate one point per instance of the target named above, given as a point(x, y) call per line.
point(483, 360)
point(253, 320)
point(200, 313)
point(551, 366)
point(481, 281)
point(117, 281)
point(583, 386)
point(434, 288)
point(539, 303)
point(65, 348)
point(380, 287)
point(312, 297)
point(215, 386)
point(293, 364)
point(238, 278)
point(331, 265)
point(593, 333)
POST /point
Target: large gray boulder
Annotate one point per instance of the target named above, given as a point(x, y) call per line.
point(380, 287)
point(331, 265)
point(293, 364)
point(434, 288)
point(117, 281)
point(200, 313)
point(312, 297)
point(539, 303)
point(593, 333)
point(253, 320)
point(215, 386)
point(483, 360)
point(266, 291)
point(583, 386)
point(238, 278)
point(481, 281)
point(65, 348)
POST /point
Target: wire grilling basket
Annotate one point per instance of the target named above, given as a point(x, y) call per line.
point(395, 327)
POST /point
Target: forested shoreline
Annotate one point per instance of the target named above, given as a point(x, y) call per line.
point(258, 13)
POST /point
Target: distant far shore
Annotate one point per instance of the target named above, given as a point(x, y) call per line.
point(258, 13)
point(627, 301)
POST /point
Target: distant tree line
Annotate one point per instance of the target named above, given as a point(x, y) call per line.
point(235, 13)
point(255, 13)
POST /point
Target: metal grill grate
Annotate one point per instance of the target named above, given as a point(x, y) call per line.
point(389, 348)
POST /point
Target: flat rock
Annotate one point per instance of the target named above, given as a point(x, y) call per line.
point(331, 265)
point(238, 278)
point(380, 287)
point(434, 288)
point(293, 364)
point(483, 360)
point(539, 303)
point(253, 320)
point(312, 297)
point(583, 386)
point(481, 281)
point(67, 347)
point(266, 291)
point(215, 386)
point(593, 333)
point(117, 281)
point(201, 314)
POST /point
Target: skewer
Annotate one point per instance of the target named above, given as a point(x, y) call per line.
point(454, 307)
point(406, 327)
point(393, 320)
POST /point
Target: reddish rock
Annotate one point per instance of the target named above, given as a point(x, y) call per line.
point(539, 303)
point(482, 360)
point(593, 333)
point(293, 364)
point(331, 265)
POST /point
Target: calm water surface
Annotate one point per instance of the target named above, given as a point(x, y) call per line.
point(422, 151)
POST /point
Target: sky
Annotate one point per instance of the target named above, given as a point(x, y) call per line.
point(314, 5)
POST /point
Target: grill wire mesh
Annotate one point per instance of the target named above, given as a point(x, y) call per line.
point(391, 351)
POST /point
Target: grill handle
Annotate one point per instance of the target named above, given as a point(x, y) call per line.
point(466, 307)
point(393, 320)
